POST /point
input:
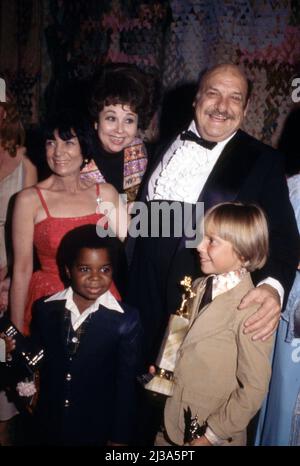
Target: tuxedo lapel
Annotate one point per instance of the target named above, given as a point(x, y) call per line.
point(230, 172)
point(224, 182)
point(227, 177)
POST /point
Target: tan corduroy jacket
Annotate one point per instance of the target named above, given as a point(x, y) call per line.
point(221, 374)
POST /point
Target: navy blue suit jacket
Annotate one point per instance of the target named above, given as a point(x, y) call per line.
point(100, 387)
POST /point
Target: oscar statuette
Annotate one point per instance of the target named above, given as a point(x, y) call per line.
point(174, 335)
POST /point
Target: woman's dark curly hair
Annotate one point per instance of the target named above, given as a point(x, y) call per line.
point(125, 84)
point(68, 122)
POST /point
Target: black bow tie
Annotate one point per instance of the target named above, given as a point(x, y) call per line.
point(191, 136)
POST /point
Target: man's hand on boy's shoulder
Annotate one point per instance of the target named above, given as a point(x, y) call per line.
point(265, 320)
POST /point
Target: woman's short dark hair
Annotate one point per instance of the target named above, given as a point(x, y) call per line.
point(125, 84)
point(81, 237)
point(68, 122)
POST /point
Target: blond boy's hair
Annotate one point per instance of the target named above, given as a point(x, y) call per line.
point(245, 227)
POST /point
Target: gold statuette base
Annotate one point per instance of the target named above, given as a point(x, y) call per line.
point(162, 382)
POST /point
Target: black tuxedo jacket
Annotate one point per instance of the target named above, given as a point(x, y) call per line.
point(250, 171)
point(246, 171)
point(99, 381)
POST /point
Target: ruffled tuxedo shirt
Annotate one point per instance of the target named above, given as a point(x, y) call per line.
point(184, 170)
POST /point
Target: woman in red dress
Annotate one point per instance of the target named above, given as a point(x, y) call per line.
point(44, 213)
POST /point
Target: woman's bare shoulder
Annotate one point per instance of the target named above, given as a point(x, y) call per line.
point(27, 195)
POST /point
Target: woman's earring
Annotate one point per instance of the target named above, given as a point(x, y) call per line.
point(86, 161)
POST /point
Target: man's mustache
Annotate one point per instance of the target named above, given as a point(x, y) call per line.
point(216, 113)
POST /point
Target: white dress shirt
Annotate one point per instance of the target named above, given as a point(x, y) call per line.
point(182, 174)
point(106, 299)
point(184, 169)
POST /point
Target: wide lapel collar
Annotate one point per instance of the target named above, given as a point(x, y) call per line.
point(226, 178)
point(223, 183)
point(56, 322)
point(198, 287)
point(91, 332)
point(218, 314)
point(229, 173)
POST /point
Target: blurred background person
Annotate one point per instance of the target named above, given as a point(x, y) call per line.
point(279, 421)
point(16, 172)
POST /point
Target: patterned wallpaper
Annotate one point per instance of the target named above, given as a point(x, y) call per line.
point(178, 39)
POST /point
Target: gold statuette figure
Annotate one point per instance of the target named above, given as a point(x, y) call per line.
point(176, 330)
